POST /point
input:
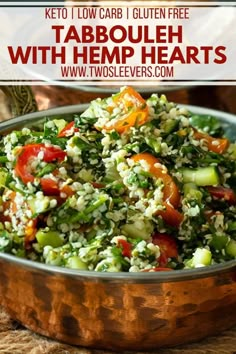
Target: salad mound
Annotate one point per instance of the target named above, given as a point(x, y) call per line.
point(129, 185)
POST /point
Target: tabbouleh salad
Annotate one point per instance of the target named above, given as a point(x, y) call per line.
point(129, 185)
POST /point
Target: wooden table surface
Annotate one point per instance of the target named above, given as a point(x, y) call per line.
point(217, 97)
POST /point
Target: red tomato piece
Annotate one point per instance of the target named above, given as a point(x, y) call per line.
point(126, 247)
point(68, 130)
point(220, 192)
point(168, 247)
point(52, 187)
point(28, 154)
point(49, 186)
point(98, 185)
point(170, 215)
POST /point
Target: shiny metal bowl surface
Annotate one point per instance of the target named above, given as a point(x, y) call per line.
point(118, 311)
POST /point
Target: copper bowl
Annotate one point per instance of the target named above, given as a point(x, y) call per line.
point(118, 311)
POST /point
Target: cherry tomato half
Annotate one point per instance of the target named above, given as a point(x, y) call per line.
point(226, 194)
point(27, 154)
point(126, 247)
point(168, 247)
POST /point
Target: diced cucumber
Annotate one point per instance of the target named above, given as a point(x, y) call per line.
point(231, 248)
point(52, 256)
point(218, 242)
point(3, 177)
point(39, 205)
point(169, 125)
point(191, 191)
point(154, 144)
point(189, 187)
point(232, 226)
point(108, 266)
point(202, 176)
point(82, 144)
point(75, 262)
point(85, 174)
point(60, 124)
point(232, 151)
point(49, 238)
point(138, 229)
point(201, 257)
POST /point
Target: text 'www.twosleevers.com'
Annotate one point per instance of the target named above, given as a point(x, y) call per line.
point(113, 72)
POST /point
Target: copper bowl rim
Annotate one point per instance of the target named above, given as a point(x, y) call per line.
point(120, 277)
